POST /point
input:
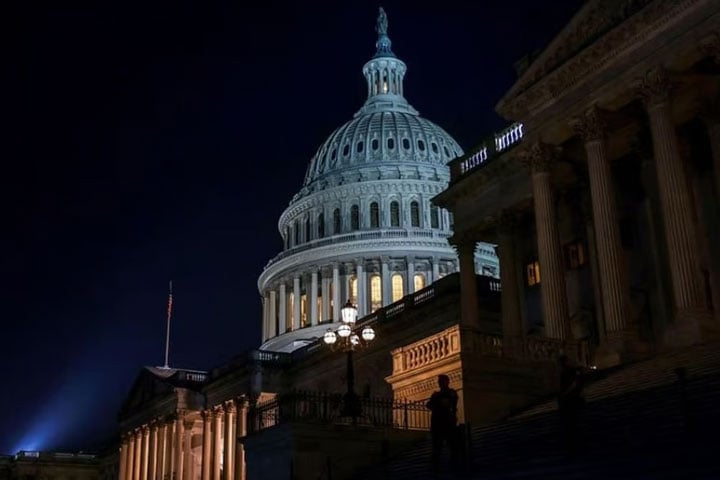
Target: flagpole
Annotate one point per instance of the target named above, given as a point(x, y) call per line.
point(167, 333)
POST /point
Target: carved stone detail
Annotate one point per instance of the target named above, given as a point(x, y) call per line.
point(539, 157)
point(589, 126)
point(654, 87)
point(711, 47)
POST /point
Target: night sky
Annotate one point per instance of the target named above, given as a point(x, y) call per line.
point(158, 140)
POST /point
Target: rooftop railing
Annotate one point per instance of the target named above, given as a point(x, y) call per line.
point(488, 150)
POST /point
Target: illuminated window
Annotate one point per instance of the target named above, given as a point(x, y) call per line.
point(532, 271)
point(434, 217)
point(375, 293)
point(289, 311)
point(331, 313)
point(397, 287)
point(394, 214)
point(337, 221)
point(575, 255)
point(419, 281)
point(354, 217)
point(414, 214)
point(304, 322)
point(321, 225)
point(374, 215)
point(353, 290)
point(319, 308)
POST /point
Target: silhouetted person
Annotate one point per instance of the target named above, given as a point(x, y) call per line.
point(443, 419)
point(570, 401)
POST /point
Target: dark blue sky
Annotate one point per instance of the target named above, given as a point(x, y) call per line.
point(151, 141)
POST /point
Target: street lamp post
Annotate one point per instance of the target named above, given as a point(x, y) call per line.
point(346, 340)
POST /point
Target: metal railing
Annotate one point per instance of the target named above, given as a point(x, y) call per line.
point(324, 408)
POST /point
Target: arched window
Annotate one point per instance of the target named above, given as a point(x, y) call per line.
point(419, 281)
point(359, 147)
point(307, 229)
point(434, 217)
point(321, 225)
point(421, 145)
point(375, 293)
point(346, 150)
point(414, 214)
point(406, 144)
point(337, 221)
point(390, 143)
point(355, 217)
point(304, 320)
point(394, 214)
point(375, 144)
point(353, 290)
point(374, 215)
point(297, 232)
point(397, 287)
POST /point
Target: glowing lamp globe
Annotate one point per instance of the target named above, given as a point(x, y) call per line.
point(349, 313)
point(354, 340)
point(344, 330)
point(329, 337)
point(368, 334)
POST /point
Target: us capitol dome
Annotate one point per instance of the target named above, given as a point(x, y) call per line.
point(362, 227)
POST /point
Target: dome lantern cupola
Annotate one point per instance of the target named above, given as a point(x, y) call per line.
point(384, 74)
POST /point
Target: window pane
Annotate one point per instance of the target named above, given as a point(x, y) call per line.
point(397, 287)
point(394, 214)
point(303, 311)
point(337, 221)
point(355, 217)
point(374, 215)
point(415, 214)
point(353, 290)
point(375, 293)
point(321, 225)
point(434, 217)
point(419, 281)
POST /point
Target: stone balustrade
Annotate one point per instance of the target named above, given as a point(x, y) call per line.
point(427, 351)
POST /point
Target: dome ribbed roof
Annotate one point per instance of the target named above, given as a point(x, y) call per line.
point(383, 138)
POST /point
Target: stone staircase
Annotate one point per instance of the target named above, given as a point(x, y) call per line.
point(641, 421)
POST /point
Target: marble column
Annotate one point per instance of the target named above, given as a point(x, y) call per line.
point(178, 447)
point(240, 432)
point(272, 320)
point(130, 467)
point(152, 468)
point(282, 310)
point(313, 298)
point(386, 286)
point(266, 316)
point(610, 256)
point(337, 303)
point(435, 270)
point(137, 462)
point(688, 295)
point(122, 463)
point(217, 445)
point(552, 271)
point(296, 303)
point(325, 289)
point(469, 311)
point(361, 289)
point(207, 417)
point(166, 456)
point(410, 275)
point(188, 464)
point(229, 450)
point(509, 294)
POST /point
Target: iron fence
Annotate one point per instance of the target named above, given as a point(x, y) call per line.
point(324, 408)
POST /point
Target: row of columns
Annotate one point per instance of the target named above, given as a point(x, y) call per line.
point(675, 197)
point(277, 319)
point(155, 451)
point(163, 450)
